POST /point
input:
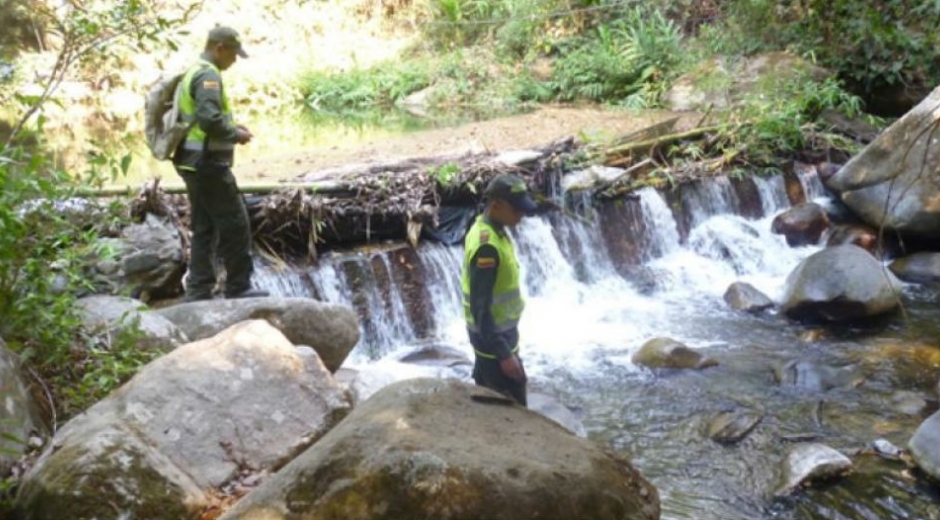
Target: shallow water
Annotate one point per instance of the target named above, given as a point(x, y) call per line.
point(584, 321)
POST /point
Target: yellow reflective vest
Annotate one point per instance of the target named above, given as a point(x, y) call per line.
point(508, 304)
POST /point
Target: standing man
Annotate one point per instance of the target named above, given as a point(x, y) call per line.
point(492, 300)
point(204, 160)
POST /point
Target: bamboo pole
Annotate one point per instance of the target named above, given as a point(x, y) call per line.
point(656, 141)
point(324, 187)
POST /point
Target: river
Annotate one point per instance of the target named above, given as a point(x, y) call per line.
point(585, 318)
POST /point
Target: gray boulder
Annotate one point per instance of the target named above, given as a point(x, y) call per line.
point(811, 462)
point(116, 315)
point(669, 353)
point(839, 284)
point(899, 154)
point(427, 448)
point(802, 225)
point(922, 268)
point(859, 235)
point(550, 407)
point(745, 297)
point(188, 422)
point(331, 330)
point(19, 416)
point(925, 446)
point(147, 259)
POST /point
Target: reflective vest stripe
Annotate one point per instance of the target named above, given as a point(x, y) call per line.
point(487, 355)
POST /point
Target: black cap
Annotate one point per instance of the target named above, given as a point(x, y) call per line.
point(228, 37)
point(513, 190)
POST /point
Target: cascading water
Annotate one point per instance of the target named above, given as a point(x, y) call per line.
point(585, 318)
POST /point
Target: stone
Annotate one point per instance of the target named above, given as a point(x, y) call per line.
point(587, 178)
point(332, 330)
point(149, 260)
point(517, 157)
point(742, 296)
point(729, 427)
point(189, 421)
point(922, 268)
point(99, 459)
point(925, 446)
point(802, 225)
point(427, 448)
point(841, 283)
point(813, 377)
point(436, 355)
point(887, 184)
point(115, 315)
point(669, 353)
point(857, 235)
point(19, 415)
point(550, 407)
point(811, 462)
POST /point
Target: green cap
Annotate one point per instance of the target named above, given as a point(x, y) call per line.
point(228, 37)
point(513, 190)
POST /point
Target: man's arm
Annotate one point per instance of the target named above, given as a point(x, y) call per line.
point(207, 92)
point(483, 268)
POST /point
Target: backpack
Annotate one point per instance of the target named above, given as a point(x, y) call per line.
point(162, 125)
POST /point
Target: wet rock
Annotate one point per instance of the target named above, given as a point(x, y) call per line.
point(115, 315)
point(813, 377)
point(189, 421)
point(811, 462)
point(869, 182)
point(745, 297)
point(332, 330)
point(922, 268)
point(801, 225)
point(862, 236)
point(426, 449)
point(669, 353)
point(925, 446)
point(908, 403)
point(436, 355)
point(587, 178)
point(840, 283)
point(147, 259)
point(886, 449)
point(733, 426)
point(19, 415)
point(554, 410)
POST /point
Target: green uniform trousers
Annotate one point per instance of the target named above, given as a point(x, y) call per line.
point(217, 218)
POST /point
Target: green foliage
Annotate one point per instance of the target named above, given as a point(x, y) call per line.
point(445, 175)
point(364, 89)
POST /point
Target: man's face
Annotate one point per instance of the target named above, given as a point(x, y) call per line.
point(224, 56)
point(505, 213)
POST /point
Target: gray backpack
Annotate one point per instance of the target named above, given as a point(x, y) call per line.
point(162, 124)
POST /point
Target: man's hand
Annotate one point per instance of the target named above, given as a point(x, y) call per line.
point(512, 368)
point(242, 135)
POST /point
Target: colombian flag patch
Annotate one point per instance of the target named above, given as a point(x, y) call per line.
point(486, 263)
point(210, 85)
point(484, 236)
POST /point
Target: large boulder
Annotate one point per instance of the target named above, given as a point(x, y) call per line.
point(925, 446)
point(922, 268)
point(147, 260)
point(802, 225)
point(19, 417)
point(188, 422)
point(669, 353)
point(427, 448)
point(892, 181)
point(839, 284)
point(116, 315)
point(862, 236)
point(331, 330)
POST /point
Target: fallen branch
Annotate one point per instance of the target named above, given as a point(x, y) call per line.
point(649, 144)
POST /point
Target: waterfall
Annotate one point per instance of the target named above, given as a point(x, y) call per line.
point(578, 298)
point(809, 179)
